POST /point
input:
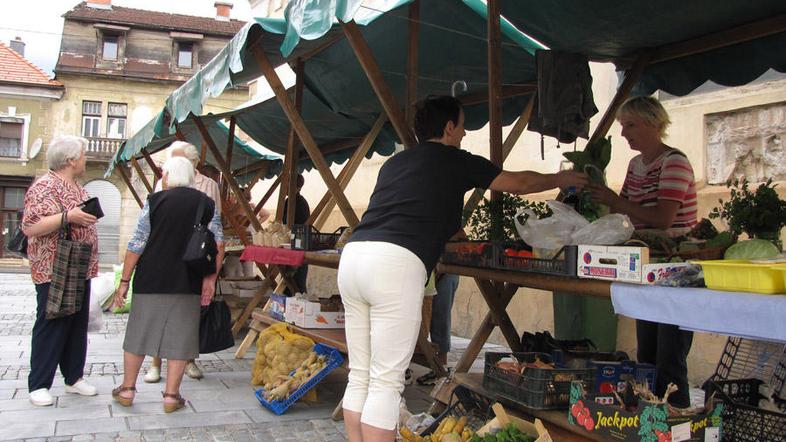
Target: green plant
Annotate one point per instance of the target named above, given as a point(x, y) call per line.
point(489, 222)
point(756, 213)
point(592, 161)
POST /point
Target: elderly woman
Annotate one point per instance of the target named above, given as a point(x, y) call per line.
point(658, 193)
point(164, 318)
point(61, 341)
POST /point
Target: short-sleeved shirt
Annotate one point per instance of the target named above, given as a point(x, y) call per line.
point(419, 198)
point(669, 177)
point(50, 195)
point(204, 184)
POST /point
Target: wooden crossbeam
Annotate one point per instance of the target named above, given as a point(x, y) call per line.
point(631, 78)
point(141, 174)
point(267, 195)
point(124, 174)
point(494, 299)
point(377, 80)
point(507, 91)
point(305, 136)
point(152, 164)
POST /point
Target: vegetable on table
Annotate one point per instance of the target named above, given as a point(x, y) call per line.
point(751, 249)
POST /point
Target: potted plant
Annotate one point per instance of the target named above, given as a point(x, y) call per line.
point(488, 222)
point(760, 214)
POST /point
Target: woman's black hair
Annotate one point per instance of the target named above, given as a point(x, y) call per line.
point(433, 113)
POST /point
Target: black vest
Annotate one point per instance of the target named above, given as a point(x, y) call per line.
point(161, 268)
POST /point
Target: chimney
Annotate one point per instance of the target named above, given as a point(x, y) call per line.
point(99, 4)
point(222, 10)
point(18, 45)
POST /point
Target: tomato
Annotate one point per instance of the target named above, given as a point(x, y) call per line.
point(511, 252)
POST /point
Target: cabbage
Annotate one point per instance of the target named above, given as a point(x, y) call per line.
point(751, 249)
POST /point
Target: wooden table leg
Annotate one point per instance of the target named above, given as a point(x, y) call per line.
point(494, 294)
point(248, 341)
point(241, 320)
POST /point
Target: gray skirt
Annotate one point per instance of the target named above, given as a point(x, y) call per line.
point(164, 326)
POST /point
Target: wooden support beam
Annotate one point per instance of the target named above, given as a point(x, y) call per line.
point(412, 62)
point(255, 300)
point(305, 136)
point(253, 167)
point(377, 80)
point(124, 174)
point(494, 100)
point(231, 140)
point(141, 174)
point(152, 164)
point(631, 77)
point(494, 298)
point(283, 190)
point(293, 148)
point(224, 168)
point(267, 195)
point(203, 153)
point(322, 210)
point(507, 147)
point(507, 91)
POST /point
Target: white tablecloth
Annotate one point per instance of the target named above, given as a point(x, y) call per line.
point(747, 315)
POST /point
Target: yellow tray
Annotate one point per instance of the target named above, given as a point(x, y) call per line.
point(743, 276)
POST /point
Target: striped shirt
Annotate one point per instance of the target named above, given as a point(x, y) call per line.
point(204, 184)
point(669, 177)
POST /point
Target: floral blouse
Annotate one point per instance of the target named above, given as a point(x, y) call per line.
point(50, 195)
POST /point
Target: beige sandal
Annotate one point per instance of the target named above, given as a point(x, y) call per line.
point(124, 401)
point(169, 408)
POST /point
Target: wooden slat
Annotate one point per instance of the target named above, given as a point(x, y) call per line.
point(305, 136)
point(494, 299)
point(255, 300)
point(231, 140)
point(322, 211)
point(293, 147)
point(632, 76)
point(413, 55)
point(124, 174)
point(507, 91)
point(152, 164)
point(267, 195)
point(377, 80)
point(495, 101)
point(141, 174)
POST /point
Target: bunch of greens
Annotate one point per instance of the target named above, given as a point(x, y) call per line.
point(508, 434)
point(494, 220)
point(592, 161)
point(757, 213)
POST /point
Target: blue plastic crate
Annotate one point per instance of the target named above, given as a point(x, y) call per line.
point(333, 360)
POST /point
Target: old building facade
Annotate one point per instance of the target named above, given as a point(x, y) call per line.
point(118, 66)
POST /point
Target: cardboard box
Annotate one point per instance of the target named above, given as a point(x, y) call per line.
point(614, 375)
point(652, 273)
point(649, 422)
point(328, 313)
point(277, 307)
point(616, 263)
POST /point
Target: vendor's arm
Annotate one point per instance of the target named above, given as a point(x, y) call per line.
point(528, 181)
point(659, 216)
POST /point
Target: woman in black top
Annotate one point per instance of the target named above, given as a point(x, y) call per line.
point(164, 318)
point(415, 208)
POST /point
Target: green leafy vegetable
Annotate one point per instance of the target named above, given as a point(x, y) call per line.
point(592, 161)
point(751, 249)
point(753, 212)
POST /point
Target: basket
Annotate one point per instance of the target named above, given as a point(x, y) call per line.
point(464, 402)
point(743, 420)
point(334, 360)
point(535, 388)
point(747, 358)
point(471, 253)
point(307, 237)
point(742, 276)
point(562, 264)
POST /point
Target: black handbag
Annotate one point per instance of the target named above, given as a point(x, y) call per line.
point(18, 242)
point(201, 249)
point(215, 327)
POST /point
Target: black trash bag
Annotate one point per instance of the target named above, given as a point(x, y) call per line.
point(215, 328)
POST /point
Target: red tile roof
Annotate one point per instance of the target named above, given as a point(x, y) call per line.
point(154, 19)
point(17, 69)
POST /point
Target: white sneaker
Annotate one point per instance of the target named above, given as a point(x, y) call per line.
point(41, 397)
point(81, 387)
point(193, 371)
point(153, 375)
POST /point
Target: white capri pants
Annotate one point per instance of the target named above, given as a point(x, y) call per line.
point(381, 285)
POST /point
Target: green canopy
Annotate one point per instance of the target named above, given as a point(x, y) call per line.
point(609, 30)
point(339, 103)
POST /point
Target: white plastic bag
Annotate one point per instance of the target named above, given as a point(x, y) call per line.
point(552, 232)
point(95, 321)
point(102, 287)
point(605, 231)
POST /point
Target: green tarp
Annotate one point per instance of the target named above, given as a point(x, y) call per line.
point(609, 30)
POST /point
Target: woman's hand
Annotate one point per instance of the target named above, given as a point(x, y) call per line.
point(120, 294)
point(208, 289)
point(571, 178)
point(602, 194)
point(80, 218)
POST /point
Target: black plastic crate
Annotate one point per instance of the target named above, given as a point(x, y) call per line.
point(307, 237)
point(743, 420)
point(747, 358)
point(536, 388)
point(471, 253)
point(562, 264)
point(464, 402)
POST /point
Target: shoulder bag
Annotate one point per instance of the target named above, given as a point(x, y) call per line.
point(201, 249)
point(69, 273)
point(215, 326)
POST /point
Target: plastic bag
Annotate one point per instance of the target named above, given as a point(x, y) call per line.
point(605, 231)
point(102, 287)
point(552, 232)
point(95, 318)
point(118, 275)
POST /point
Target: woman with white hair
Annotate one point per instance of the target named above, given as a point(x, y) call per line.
point(52, 200)
point(164, 318)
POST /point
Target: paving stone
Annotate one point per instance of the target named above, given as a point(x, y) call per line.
point(180, 419)
point(26, 429)
point(77, 427)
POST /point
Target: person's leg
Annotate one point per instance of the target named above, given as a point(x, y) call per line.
point(72, 360)
point(440, 314)
point(46, 344)
point(356, 325)
point(175, 369)
point(396, 299)
point(132, 363)
point(672, 363)
point(646, 342)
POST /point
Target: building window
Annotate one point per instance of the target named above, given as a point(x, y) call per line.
point(91, 119)
point(11, 133)
point(110, 46)
point(116, 120)
point(185, 54)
